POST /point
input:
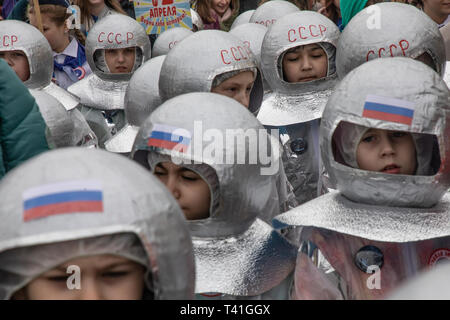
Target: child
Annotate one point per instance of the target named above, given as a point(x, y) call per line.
point(115, 47)
point(438, 11)
point(395, 37)
point(298, 62)
point(225, 66)
point(217, 14)
point(70, 63)
point(383, 140)
point(28, 52)
point(141, 99)
point(107, 247)
point(221, 200)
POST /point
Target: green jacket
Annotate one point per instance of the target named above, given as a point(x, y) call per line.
point(22, 128)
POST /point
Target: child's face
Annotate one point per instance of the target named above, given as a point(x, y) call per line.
point(120, 60)
point(18, 61)
point(437, 7)
point(387, 151)
point(238, 87)
point(102, 277)
point(220, 6)
point(188, 188)
point(57, 36)
point(305, 63)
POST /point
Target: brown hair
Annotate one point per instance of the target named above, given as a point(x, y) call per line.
point(86, 15)
point(203, 9)
point(332, 12)
point(59, 15)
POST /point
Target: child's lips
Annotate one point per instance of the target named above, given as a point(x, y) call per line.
point(391, 169)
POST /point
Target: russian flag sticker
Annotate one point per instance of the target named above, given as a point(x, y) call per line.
point(170, 138)
point(61, 198)
point(389, 109)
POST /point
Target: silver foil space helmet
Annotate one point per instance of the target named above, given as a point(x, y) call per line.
point(18, 35)
point(232, 245)
point(168, 39)
point(116, 32)
point(390, 30)
point(268, 13)
point(298, 29)
point(243, 18)
point(252, 35)
point(141, 98)
point(130, 214)
point(197, 22)
point(206, 56)
point(396, 94)
point(60, 126)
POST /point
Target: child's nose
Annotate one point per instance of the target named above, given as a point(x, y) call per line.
point(387, 147)
point(172, 185)
point(306, 64)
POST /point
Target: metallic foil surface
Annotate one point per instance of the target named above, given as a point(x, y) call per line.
point(133, 201)
point(168, 39)
point(243, 18)
point(389, 30)
point(396, 78)
point(197, 22)
point(141, 98)
point(333, 211)
point(192, 65)
point(117, 31)
point(242, 193)
point(268, 13)
point(247, 264)
point(60, 126)
point(18, 35)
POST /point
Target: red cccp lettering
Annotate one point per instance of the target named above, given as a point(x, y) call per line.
point(8, 41)
point(393, 49)
point(305, 32)
point(234, 53)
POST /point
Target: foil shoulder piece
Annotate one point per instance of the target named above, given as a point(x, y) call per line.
point(97, 93)
point(68, 100)
point(245, 265)
point(447, 74)
point(335, 212)
point(281, 109)
point(123, 141)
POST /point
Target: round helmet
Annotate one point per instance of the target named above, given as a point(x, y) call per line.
point(18, 35)
point(396, 94)
point(116, 31)
point(125, 201)
point(193, 65)
point(268, 13)
point(243, 18)
point(390, 30)
point(168, 39)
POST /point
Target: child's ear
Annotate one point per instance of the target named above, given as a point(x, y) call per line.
point(67, 25)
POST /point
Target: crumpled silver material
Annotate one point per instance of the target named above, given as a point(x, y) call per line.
point(268, 13)
point(197, 22)
point(295, 108)
point(261, 255)
point(397, 78)
point(141, 98)
point(116, 32)
point(18, 35)
point(60, 126)
point(252, 35)
point(233, 228)
point(133, 202)
point(40, 59)
point(168, 39)
point(243, 18)
point(333, 211)
point(447, 74)
point(403, 31)
point(193, 65)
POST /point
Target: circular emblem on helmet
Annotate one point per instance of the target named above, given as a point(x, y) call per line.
point(367, 257)
point(439, 256)
point(299, 146)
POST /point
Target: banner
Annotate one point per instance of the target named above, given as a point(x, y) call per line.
point(156, 16)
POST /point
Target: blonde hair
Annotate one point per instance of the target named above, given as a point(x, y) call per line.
point(59, 15)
